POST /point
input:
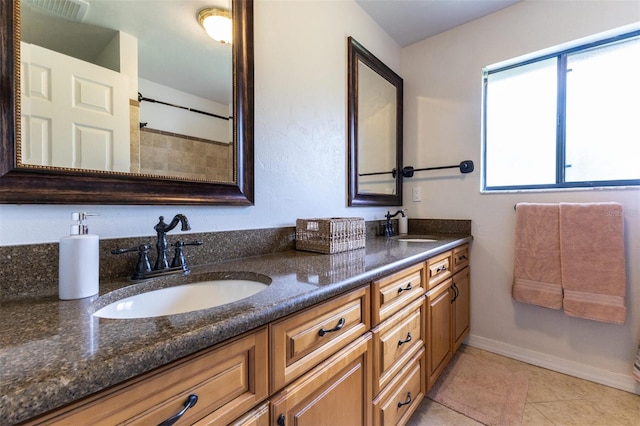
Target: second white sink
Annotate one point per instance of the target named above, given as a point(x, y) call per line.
point(180, 299)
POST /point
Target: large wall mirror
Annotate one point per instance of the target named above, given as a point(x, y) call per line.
point(375, 130)
point(123, 102)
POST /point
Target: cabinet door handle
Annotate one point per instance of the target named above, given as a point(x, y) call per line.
point(407, 401)
point(456, 292)
point(190, 402)
point(281, 420)
point(322, 331)
point(407, 288)
point(407, 340)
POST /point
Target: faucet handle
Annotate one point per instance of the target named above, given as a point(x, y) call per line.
point(143, 266)
point(178, 258)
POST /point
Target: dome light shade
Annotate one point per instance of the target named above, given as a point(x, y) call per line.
point(217, 23)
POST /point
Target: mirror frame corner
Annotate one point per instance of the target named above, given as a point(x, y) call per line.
point(32, 186)
point(357, 52)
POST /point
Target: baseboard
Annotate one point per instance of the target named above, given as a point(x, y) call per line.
point(615, 380)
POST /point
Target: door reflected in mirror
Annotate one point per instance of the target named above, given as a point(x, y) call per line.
point(375, 130)
point(125, 87)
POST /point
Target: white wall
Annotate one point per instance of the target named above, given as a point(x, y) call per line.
point(300, 131)
point(443, 95)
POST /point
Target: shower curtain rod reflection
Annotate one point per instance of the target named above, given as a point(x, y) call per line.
point(155, 101)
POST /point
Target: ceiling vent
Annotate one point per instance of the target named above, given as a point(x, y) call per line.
point(74, 10)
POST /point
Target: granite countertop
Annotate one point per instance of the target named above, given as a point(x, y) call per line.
point(53, 352)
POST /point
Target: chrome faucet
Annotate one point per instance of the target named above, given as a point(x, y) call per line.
point(388, 226)
point(161, 244)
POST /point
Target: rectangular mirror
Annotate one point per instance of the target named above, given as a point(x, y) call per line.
point(172, 115)
point(375, 130)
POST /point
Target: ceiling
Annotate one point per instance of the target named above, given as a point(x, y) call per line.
point(409, 21)
point(164, 34)
point(172, 47)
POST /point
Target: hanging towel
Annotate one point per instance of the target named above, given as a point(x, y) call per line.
point(537, 274)
point(636, 366)
point(593, 265)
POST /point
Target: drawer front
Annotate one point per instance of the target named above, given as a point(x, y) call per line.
point(439, 268)
point(460, 257)
point(396, 291)
point(396, 341)
point(228, 381)
point(303, 340)
point(401, 398)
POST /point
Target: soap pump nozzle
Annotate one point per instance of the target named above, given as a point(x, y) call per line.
point(80, 228)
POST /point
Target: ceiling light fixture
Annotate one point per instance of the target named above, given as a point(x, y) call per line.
point(217, 23)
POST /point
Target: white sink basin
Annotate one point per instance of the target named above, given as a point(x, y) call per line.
point(180, 299)
point(417, 240)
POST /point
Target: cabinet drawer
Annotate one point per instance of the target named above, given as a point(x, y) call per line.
point(396, 341)
point(303, 340)
point(228, 380)
point(460, 257)
point(392, 293)
point(398, 401)
point(439, 268)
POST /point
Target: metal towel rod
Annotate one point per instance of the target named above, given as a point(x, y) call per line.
point(465, 166)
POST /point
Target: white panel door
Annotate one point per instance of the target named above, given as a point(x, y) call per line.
point(74, 114)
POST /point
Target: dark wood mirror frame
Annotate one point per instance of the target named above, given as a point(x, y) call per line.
point(357, 53)
point(32, 186)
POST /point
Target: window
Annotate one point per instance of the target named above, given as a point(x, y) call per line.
point(563, 120)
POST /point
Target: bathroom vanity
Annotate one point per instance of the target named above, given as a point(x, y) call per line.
point(359, 336)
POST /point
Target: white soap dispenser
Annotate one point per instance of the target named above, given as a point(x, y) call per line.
point(78, 268)
point(403, 223)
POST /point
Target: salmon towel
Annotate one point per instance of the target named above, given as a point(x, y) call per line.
point(592, 259)
point(537, 275)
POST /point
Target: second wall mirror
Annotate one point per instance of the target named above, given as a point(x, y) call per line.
point(375, 130)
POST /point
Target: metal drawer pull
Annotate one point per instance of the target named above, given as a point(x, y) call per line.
point(407, 288)
point(463, 257)
point(407, 402)
point(407, 340)
point(441, 269)
point(191, 401)
point(322, 331)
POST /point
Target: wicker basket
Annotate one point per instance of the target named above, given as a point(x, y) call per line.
point(333, 235)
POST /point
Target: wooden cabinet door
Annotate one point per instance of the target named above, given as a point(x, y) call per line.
point(336, 392)
point(461, 308)
point(439, 336)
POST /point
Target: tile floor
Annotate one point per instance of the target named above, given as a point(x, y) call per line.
point(553, 399)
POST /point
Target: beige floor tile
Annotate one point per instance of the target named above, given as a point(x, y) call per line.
point(623, 406)
point(553, 399)
point(546, 385)
point(430, 413)
point(533, 417)
point(575, 413)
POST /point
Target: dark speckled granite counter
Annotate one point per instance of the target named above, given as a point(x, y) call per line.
point(53, 352)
